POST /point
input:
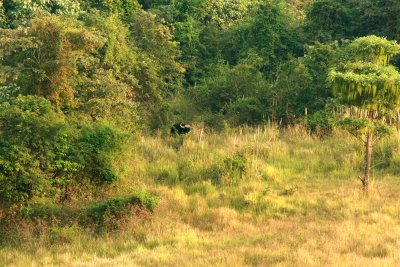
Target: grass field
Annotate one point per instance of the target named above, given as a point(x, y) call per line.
point(251, 197)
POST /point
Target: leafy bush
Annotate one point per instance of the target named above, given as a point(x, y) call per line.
point(321, 122)
point(41, 154)
point(43, 211)
point(97, 147)
point(246, 110)
point(29, 128)
point(100, 213)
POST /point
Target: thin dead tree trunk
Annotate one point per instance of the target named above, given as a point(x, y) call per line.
point(368, 157)
point(398, 121)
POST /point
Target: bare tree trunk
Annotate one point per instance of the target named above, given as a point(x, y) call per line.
point(398, 121)
point(368, 156)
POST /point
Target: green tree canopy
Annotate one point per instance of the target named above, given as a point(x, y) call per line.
point(366, 79)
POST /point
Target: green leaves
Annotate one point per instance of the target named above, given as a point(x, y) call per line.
point(97, 147)
point(373, 49)
point(225, 13)
point(362, 127)
point(42, 153)
point(19, 12)
point(365, 79)
point(28, 131)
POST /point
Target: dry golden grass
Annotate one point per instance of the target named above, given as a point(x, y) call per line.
point(299, 204)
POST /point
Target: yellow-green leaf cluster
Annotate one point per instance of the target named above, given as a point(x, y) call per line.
point(366, 79)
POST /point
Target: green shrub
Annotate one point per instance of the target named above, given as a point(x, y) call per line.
point(29, 129)
point(97, 148)
point(321, 122)
point(105, 215)
point(248, 110)
point(43, 211)
point(216, 122)
point(42, 154)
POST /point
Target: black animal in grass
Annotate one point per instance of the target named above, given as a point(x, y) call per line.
point(180, 128)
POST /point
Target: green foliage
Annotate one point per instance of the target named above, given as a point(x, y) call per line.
point(29, 132)
point(225, 13)
point(246, 111)
point(45, 211)
point(2, 16)
point(113, 206)
point(321, 122)
point(19, 12)
point(214, 173)
point(159, 71)
point(42, 154)
point(167, 177)
point(97, 147)
point(105, 215)
point(235, 166)
point(373, 49)
point(274, 36)
point(366, 80)
point(361, 127)
point(236, 92)
point(124, 8)
point(329, 20)
point(378, 17)
point(59, 42)
point(301, 85)
point(367, 84)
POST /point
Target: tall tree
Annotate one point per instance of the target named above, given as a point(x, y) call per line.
point(19, 12)
point(46, 66)
point(380, 17)
point(370, 87)
point(328, 20)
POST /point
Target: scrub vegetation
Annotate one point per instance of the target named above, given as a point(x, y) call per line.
point(278, 95)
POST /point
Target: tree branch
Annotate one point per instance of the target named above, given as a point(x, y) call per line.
point(355, 135)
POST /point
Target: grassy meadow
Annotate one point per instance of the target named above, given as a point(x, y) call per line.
point(246, 197)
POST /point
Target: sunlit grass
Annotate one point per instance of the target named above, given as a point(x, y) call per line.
point(297, 203)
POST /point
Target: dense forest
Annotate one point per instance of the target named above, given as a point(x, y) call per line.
point(82, 82)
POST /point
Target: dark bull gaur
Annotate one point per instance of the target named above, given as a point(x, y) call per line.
point(180, 128)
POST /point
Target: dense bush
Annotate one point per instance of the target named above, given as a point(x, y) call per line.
point(29, 131)
point(102, 215)
point(41, 153)
point(246, 111)
point(105, 215)
point(321, 122)
point(97, 146)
